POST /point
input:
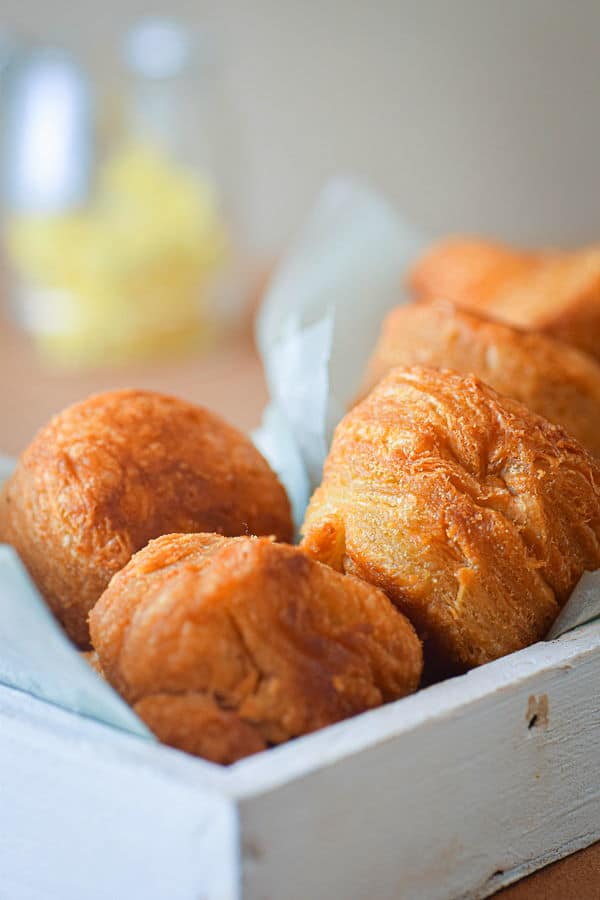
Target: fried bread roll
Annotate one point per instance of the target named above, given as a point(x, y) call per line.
point(225, 646)
point(554, 292)
point(476, 516)
point(108, 474)
point(551, 378)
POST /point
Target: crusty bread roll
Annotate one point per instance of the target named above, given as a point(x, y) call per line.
point(553, 379)
point(225, 646)
point(108, 474)
point(554, 292)
point(476, 516)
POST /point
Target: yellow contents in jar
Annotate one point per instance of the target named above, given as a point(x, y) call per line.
point(127, 276)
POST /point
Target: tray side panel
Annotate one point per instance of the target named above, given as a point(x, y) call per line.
point(81, 819)
point(455, 808)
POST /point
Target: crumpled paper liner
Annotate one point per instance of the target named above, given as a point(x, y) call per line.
point(37, 657)
point(319, 322)
point(583, 606)
point(315, 331)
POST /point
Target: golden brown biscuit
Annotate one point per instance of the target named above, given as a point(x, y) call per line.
point(224, 646)
point(557, 293)
point(107, 475)
point(553, 379)
point(476, 516)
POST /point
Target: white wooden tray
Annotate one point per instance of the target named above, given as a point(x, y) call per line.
point(453, 792)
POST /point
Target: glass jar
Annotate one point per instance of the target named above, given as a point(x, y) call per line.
point(121, 237)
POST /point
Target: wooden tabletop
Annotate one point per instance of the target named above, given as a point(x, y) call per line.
point(228, 380)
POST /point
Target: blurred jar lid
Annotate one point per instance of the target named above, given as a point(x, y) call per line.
point(161, 48)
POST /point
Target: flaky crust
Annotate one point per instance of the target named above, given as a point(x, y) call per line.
point(225, 646)
point(476, 516)
point(554, 292)
point(553, 379)
point(108, 474)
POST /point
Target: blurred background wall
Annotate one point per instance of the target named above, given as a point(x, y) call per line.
point(472, 115)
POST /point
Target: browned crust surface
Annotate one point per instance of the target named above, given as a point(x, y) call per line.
point(476, 516)
point(108, 474)
point(553, 379)
point(225, 646)
point(555, 292)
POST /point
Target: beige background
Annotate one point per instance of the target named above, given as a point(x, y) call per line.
point(473, 114)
